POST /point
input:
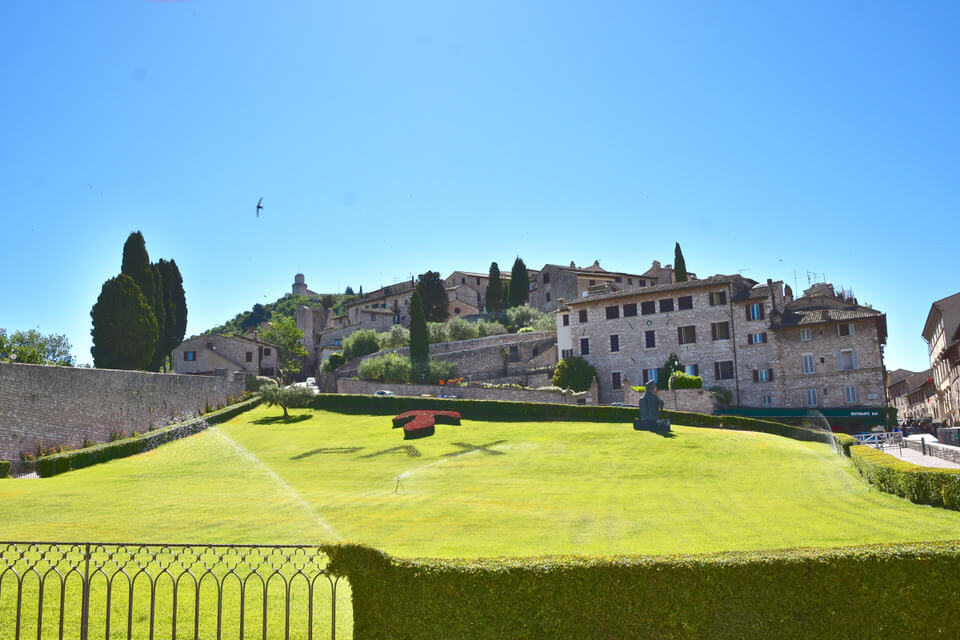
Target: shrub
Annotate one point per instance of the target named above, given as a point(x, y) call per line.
point(527, 316)
point(398, 336)
point(771, 595)
point(436, 332)
point(79, 458)
point(360, 343)
point(371, 369)
point(438, 370)
point(460, 329)
point(256, 383)
point(845, 441)
point(722, 394)
point(4, 468)
point(525, 330)
point(921, 485)
point(395, 368)
point(681, 380)
point(287, 398)
point(574, 373)
point(334, 362)
point(490, 328)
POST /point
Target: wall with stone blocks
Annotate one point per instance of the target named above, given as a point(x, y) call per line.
point(66, 405)
point(347, 385)
point(694, 400)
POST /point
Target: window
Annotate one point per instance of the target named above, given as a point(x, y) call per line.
point(666, 305)
point(687, 335)
point(615, 343)
point(766, 400)
point(630, 310)
point(566, 319)
point(583, 316)
point(249, 356)
point(584, 346)
point(266, 351)
point(646, 308)
point(844, 330)
point(514, 354)
point(850, 394)
point(478, 281)
point(547, 296)
point(650, 374)
point(643, 283)
point(456, 311)
point(805, 335)
point(685, 302)
point(808, 365)
point(720, 330)
point(723, 370)
point(566, 353)
point(590, 283)
point(650, 337)
point(618, 279)
point(811, 397)
point(546, 278)
point(629, 280)
point(755, 311)
point(846, 360)
point(373, 317)
point(189, 356)
point(718, 298)
point(268, 371)
point(536, 351)
point(691, 369)
point(615, 380)
point(613, 312)
point(763, 375)
point(757, 338)
point(463, 281)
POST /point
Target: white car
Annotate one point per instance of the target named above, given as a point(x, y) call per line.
point(383, 392)
point(917, 437)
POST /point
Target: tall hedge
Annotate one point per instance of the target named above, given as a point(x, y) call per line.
point(4, 468)
point(922, 485)
point(905, 591)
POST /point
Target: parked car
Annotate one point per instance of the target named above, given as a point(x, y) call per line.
point(382, 392)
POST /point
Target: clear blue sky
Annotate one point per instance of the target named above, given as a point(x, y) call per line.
point(390, 138)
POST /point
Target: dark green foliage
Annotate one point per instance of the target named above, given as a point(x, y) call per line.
point(136, 264)
point(159, 306)
point(679, 265)
point(80, 458)
point(349, 291)
point(419, 338)
point(921, 485)
point(433, 295)
point(288, 338)
point(671, 366)
point(256, 383)
point(519, 283)
point(177, 299)
point(574, 373)
point(4, 468)
point(722, 394)
point(328, 301)
point(333, 363)
point(494, 292)
point(32, 347)
point(285, 307)
point(257, 315)
point(124, 327)
point(360, 343)
point(505, 295)
point(681, 380)
point(759, 595)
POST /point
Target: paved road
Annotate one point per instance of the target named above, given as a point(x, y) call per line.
point(918, 458)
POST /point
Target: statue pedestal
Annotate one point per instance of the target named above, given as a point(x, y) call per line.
point(659, 426)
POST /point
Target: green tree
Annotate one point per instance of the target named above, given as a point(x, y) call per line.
point(160, 312)
point(124, 327)
point(349, 291)
point(287, 397)
point(136, 264)
point(419, 342)
point(574, 373)
point(177, 304)
point(671, 366)
point(328, 301)
point(360, 343)
point(288, 338)
point(679, 265)
point(434, 296)
point(505, 295)
point(494, 293)
point(332, 363)
point(257, 315)
point(519, 283)
point(32, 347)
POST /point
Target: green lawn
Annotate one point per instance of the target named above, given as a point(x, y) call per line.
point(564, 487)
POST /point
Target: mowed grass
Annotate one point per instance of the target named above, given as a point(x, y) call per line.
point(549, 488)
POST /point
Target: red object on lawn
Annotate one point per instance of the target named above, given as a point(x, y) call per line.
point(420, 423)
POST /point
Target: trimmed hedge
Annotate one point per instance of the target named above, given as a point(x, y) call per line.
point(845, 441)
point(907, 591)
point(62, 462)
point(921, 485)
point(4, 468)
point(748, 424)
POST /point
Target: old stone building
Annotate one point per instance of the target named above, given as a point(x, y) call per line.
point(942, 334)
point(222, 355)
point(769, 350)
point(911, 394)
point(472, 287)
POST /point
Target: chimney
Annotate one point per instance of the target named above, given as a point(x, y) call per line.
point(787, 294)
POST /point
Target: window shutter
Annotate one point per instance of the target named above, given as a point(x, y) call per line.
point(716, 370)
point(764, 334)
point(761, 311)
point(693, 333)
point(747, 309)
point(696, 370)
point(855, 366)
point(713, 331)
point(839, 361)
point(756, 376)
point(679, 335)
point(770, 373)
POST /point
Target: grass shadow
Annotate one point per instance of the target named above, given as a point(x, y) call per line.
point(281, 420)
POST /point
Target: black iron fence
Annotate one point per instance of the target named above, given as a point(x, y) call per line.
point(95, 590)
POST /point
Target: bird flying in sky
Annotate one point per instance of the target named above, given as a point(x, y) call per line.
point(259, 206)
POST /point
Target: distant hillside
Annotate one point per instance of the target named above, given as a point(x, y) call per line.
point(282, 307)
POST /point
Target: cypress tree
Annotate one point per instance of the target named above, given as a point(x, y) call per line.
point(494, 289)
point(679, 265)
point(505, 295)
point(136, 264)
point(433, 296)
point(177, 298)
point(159, 307)
point(124, 328)
point(419, 339)
point(519, 284)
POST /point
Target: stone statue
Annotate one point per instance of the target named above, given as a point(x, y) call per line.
point(650, 405)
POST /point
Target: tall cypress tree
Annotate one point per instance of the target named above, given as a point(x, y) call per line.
point(679, 265)
point(178, 299)
point(136, 264)
point(433, 296)
point(419, 339)
point(519, 284)
point(159, 307)
point(124, 328)
point(494, 289)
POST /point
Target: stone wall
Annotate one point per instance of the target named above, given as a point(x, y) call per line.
point(694, 400)
point(65, 405)
point(348, 385)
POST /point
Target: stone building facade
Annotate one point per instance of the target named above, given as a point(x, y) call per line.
point(942, 334)
point(222, 355)
point(912, 394)
point(752, 339)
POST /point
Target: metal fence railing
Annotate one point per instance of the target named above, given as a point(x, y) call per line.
point(96, 590)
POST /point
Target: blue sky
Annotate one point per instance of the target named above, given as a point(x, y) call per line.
point(390, 138)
